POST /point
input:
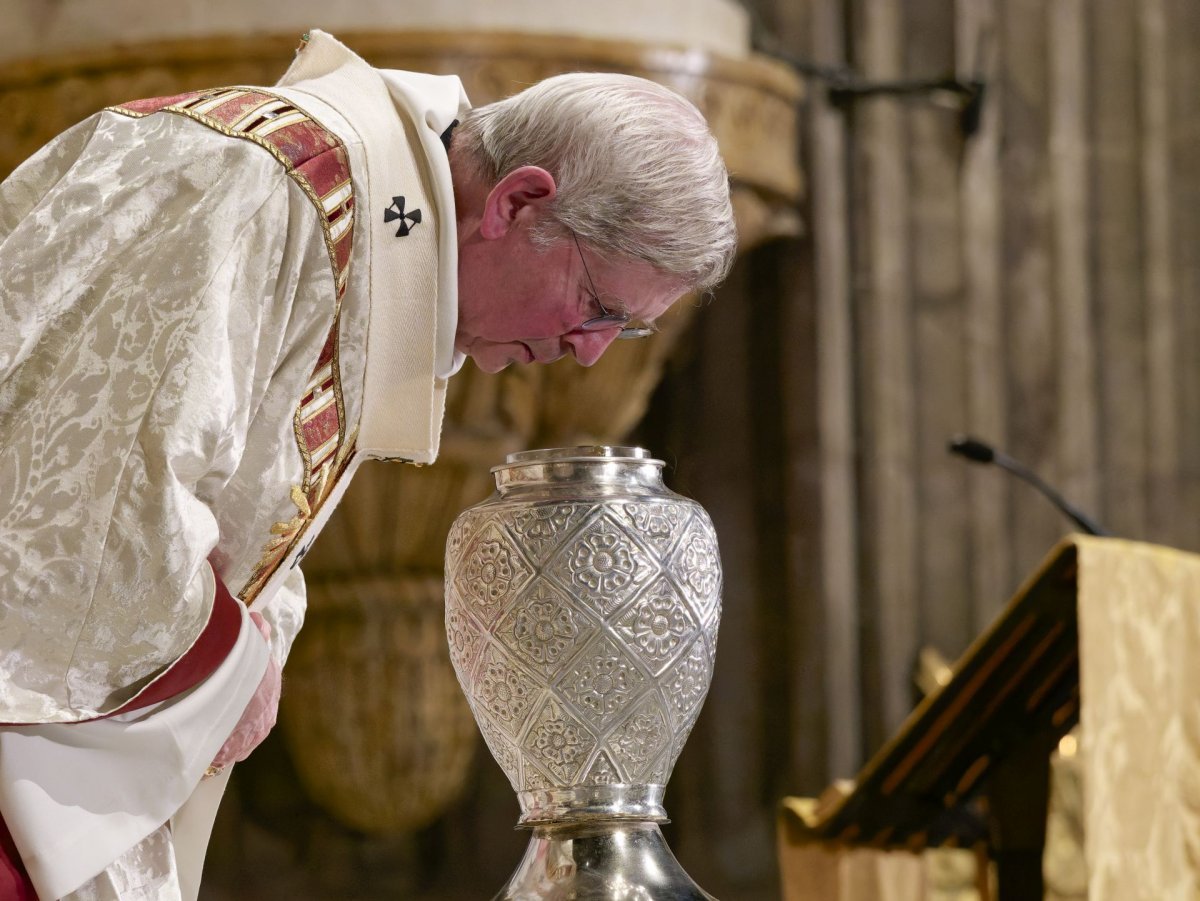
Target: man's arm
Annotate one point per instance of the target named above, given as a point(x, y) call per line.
point(151, 289)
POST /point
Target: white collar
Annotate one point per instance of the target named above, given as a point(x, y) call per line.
point(439, 101)
point(410, 350)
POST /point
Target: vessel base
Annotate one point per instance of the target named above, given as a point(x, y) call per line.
point(617, 860)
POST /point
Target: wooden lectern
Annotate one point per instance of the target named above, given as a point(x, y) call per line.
point(969, 768)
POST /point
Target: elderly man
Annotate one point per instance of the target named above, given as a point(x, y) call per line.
point(215, 306)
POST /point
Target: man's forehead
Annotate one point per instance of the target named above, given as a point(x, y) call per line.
point(637, 282)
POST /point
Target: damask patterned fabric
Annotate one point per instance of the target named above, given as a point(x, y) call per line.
point(154, 337)
point(165, 290)
point(1139, 628)
point(166, 293)
point(145, 872)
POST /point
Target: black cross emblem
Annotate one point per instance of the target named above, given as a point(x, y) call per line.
point(407, 220)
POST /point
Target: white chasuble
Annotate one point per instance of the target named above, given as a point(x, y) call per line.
point(193, 361)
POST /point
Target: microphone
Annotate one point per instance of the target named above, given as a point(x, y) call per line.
point(978, 452)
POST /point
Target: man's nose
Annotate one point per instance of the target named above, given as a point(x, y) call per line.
point(588, 347)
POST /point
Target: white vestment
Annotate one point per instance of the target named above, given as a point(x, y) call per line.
point(166, 289)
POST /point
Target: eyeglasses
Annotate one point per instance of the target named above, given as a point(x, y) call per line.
point(608, 318)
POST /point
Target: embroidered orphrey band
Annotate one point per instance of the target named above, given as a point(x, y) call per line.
point(317, 162)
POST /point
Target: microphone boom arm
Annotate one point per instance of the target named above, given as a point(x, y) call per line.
point(978, 452)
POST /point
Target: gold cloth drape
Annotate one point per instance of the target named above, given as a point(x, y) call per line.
point(1139, 637)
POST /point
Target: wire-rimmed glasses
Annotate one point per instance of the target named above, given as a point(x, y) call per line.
point(608, 318)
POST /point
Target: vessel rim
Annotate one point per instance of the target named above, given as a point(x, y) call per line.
point(600, 453)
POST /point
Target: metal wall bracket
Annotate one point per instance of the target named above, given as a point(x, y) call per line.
point(965, 97)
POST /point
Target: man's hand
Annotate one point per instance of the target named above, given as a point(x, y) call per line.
point(260, 713)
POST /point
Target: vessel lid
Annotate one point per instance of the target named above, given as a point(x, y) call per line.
point(581, 453)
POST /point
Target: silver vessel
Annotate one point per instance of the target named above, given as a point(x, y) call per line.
point(582, 604)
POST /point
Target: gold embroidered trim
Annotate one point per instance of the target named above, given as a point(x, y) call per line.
point(318, 482)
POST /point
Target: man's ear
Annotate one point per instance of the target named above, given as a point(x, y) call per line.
point(520, 194)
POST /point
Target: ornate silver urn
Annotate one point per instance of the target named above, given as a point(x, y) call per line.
point(582, 603)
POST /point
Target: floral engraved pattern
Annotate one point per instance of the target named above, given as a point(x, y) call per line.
point(712, 629)
point(462, 636)
point(559, 742)
point(699, 565)
point(535, 780)
point(502, 749)
point(542, 629)
point(460, 532)
point(657, 624)
point(659, 524)
point(583, 632)
point(603, 562)
point(603, 566)
point(504, 692)
point(640, 740)
point(543, 526)
point(660, 770)
point(602, 772)
point(687, 684)
point(492, 572)
point(603, 682)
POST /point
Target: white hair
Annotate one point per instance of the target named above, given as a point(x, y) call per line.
point(638, 172)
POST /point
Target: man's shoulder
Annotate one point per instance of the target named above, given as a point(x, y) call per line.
point(256, 115)
point(254, 120)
